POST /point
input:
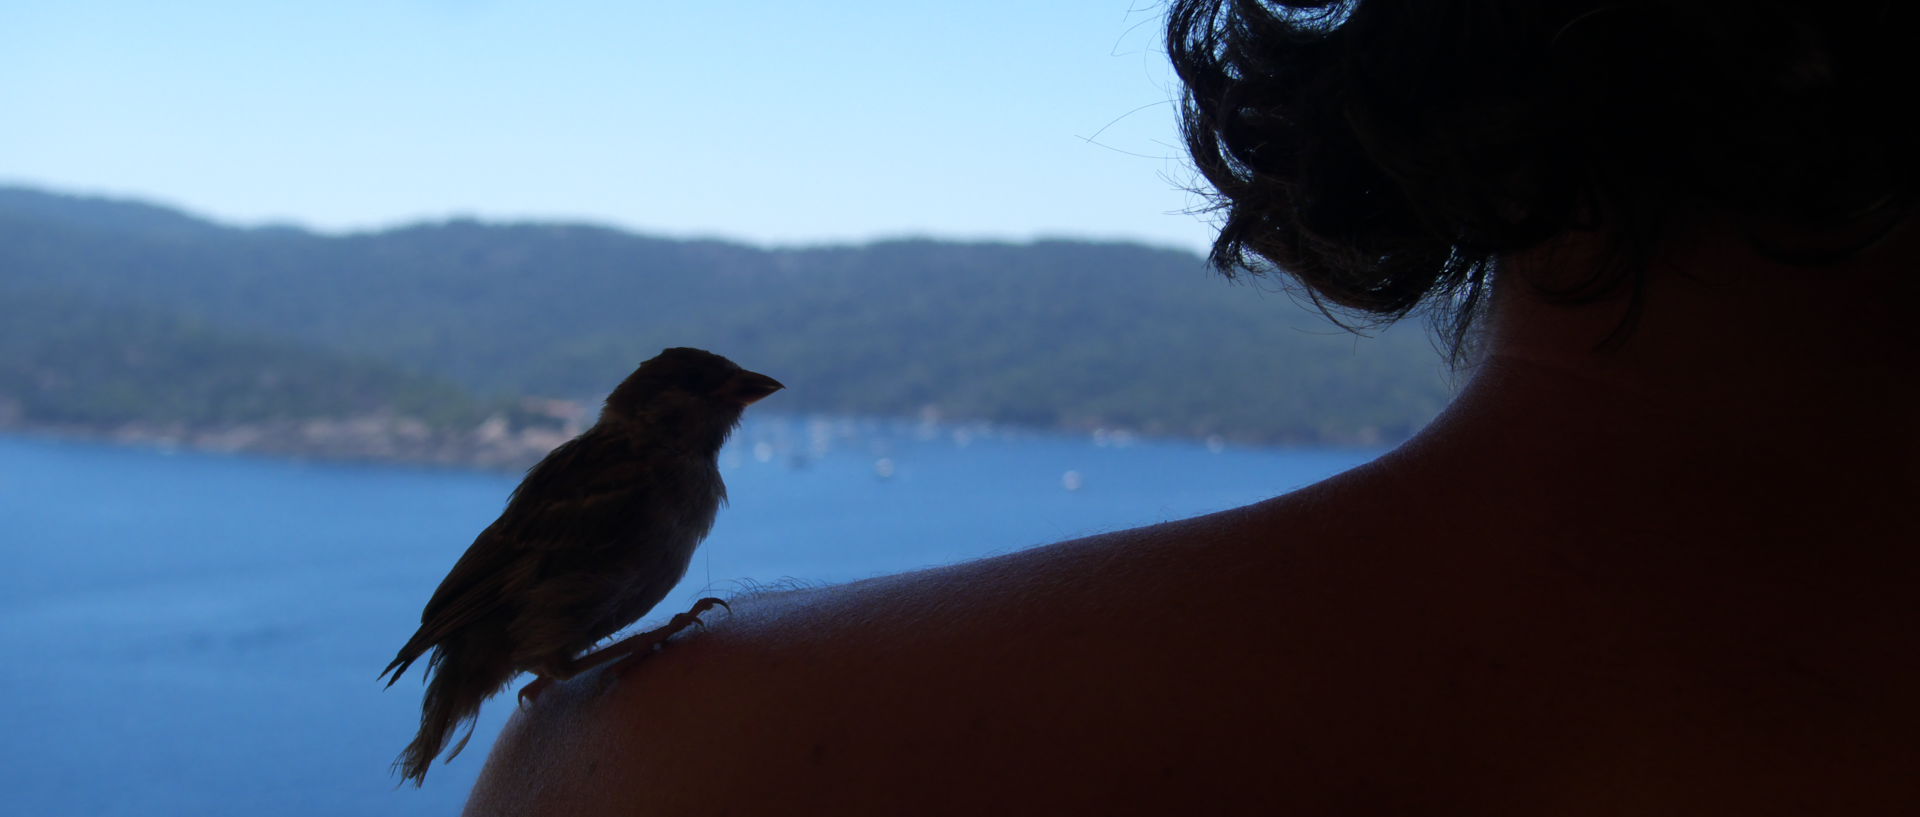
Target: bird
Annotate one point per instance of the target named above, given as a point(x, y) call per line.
point(595, 535)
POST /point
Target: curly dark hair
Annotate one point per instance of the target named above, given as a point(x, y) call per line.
point(1386, 152)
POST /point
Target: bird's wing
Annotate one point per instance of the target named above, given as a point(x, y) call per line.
point(577, 497)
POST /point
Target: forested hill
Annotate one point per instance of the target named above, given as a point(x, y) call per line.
point(1050, 334)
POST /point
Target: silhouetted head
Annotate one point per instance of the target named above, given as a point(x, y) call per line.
point(690, 391)
point(1385, 152)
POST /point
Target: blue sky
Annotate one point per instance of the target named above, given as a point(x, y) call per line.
point(771, 122)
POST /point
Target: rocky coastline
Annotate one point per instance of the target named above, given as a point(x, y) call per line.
point(495, 444)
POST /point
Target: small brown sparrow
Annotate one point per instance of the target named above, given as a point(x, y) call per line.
point(593, 538)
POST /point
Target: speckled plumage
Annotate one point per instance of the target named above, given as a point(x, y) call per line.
point(595, 536)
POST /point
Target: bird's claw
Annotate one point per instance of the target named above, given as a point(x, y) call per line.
point(681, 621)
point(658, 637)
point(531, 692)
point(700, 607)
point(644, 644)
point(622, 655)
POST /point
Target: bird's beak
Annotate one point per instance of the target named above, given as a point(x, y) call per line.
point(746, 388)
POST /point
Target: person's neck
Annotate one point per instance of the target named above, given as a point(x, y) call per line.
point(1744, 386)
point(1727, 341)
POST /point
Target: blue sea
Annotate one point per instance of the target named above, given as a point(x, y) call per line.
point(192, 633)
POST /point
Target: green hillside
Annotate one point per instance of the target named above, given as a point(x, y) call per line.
point(66, 360)
point(1051, 334)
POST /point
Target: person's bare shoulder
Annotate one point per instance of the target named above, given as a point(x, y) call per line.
point(1305, 655)
point(1222, 659)
point(1107, 668)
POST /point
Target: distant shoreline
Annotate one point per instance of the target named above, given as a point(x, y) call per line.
point(366, 439)
point(393, 440)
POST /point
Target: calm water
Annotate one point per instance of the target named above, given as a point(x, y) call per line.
point(199, 634)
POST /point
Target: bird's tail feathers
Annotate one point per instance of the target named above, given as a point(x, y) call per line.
point(411, 652)
point(455, 690)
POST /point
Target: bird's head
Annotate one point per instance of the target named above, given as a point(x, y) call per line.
point(690, 391)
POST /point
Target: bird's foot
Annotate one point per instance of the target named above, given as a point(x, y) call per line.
point(653, 639)
point(681, 621)
point(531, 692)
point(618, 652)
point(624, 652)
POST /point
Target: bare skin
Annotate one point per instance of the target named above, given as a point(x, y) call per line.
point(1672, 578)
